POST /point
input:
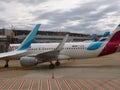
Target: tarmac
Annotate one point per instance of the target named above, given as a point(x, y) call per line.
point(101, 73)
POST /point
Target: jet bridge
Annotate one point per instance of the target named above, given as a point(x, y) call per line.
point(4, 43)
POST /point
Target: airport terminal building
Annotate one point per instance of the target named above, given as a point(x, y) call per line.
point(17, 36)
point(43, 36)
point(50, 36)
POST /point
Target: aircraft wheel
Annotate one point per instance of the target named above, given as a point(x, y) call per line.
point(6, 65)
point(51, 66)
point(57, 63)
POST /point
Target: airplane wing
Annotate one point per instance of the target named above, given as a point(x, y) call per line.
point(11, 55)
point(52, 54)
point(22, 50)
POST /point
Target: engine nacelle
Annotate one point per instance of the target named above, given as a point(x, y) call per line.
point(28, 61)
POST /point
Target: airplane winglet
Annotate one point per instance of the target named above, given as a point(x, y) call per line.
point(60, 46)
point(27, 42)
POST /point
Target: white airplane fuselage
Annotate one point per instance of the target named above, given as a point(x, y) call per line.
point(72, 50)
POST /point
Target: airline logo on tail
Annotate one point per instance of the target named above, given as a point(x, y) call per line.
point(113, 42)
point(110, 45)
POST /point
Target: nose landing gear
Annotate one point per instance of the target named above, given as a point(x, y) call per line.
point(6, 64)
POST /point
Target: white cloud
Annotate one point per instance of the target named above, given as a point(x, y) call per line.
point(70, 23)
point(16, 13)
point(80, 15)
point(59, 5)
point(44, 21)
point(100, 9)
point(109, 23)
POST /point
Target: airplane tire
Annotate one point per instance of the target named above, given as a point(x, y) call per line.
point(57, 63)
point(6, 66)
point(51, 66)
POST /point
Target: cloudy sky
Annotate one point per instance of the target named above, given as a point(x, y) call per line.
point(79, 16)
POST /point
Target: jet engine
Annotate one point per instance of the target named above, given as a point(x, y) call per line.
point(28, 61)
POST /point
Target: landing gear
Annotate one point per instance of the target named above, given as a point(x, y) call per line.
point(51, 66)
point(6, 64)
point(57, 63)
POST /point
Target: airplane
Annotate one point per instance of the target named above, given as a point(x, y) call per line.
point(48, 52)
point(22, 50)
point(104, 36)
point(94, 37)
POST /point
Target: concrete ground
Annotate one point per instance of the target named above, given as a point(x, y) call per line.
point(86, 74)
